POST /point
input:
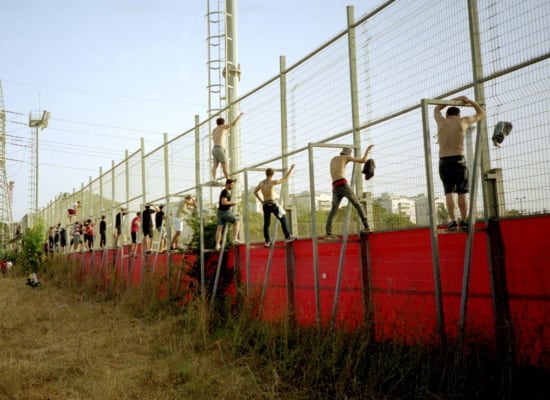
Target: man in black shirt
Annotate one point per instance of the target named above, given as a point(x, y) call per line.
point(225, 215)
point(159, 220)
point(147, 226)
point(102, 232)
point(118, 225)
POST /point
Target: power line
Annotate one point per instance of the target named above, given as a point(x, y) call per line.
point(13, 112)
point(111, 136)
point(105, 126)
point(88, 92)
point(71, 167)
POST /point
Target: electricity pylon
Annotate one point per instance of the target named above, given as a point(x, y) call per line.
point(6, 218)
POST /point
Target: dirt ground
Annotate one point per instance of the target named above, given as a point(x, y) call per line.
point(55, 345)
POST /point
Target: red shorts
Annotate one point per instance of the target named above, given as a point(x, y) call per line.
point(71, 211)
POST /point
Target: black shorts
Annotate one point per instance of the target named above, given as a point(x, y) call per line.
point(454, 174)
point(147, 232)
point(134, 237)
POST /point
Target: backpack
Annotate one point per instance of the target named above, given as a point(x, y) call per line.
point(368, 169)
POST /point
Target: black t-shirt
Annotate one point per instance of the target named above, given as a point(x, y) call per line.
point(102, 227)
point(146, 221)
point(118, 220)
point(158, 219)
point(227, 194)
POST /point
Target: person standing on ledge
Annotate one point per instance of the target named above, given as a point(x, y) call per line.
point(269, 205)
point(224, 214)
point(219, 154)
point(341, 188)
point(453, 171)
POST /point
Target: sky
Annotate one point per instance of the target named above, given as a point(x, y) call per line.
point(113, 71)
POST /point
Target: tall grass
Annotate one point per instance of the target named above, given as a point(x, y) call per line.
point(82, 338)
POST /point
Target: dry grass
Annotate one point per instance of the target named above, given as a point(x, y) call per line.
point(54, 345)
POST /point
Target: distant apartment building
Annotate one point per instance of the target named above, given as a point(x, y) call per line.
point(302, 200)
point(401, 205)
point(415, 208)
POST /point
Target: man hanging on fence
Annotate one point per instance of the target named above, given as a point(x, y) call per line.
point(102, 232)
point(134, 232)
point(270, 206)
point(224, 214)
point(118, 225)
point(219, 154)
point(341, 188)
point(160, 223)
point(453, 171)
point(73, 210)
point(147, 226)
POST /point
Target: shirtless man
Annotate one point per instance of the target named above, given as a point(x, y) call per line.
point(341, 189)
point(453, 171)
point(269, 205)
point(183, 221)
point(219, 154)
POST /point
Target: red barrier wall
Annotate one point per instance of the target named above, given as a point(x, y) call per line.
point(402, 279)
point(403, 285)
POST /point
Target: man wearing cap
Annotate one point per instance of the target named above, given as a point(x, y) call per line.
point(341, 188)
point(225, 215)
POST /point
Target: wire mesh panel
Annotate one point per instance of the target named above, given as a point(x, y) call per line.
point(405, 52)
point(318, 96)
point(120, 194)
point(135, 187)
point(521, 98)
point(260, 125)
point(513, 32)
point(181, 156)
point(154, 175)
point(410, 51)
point(96, 199)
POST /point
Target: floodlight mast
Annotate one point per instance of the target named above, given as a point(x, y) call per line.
point(37, 120)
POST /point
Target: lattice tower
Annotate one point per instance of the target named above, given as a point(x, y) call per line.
point(6, 219)
point(216, 44)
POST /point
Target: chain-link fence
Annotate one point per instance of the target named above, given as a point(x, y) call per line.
point(364, 87)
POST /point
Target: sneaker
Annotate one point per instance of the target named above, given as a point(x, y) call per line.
point(267, 244)
point(452, 226)
point(464, 226)
point(290, 239)
point(365, 230)
point(237, 241)
point(330, 236)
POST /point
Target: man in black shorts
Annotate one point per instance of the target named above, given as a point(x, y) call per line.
point(147, 226)
point(225, 216)
point(118, 224)
point(453, 171)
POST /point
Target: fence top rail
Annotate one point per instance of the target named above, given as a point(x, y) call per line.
point(440, 102)
point(333, 145)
